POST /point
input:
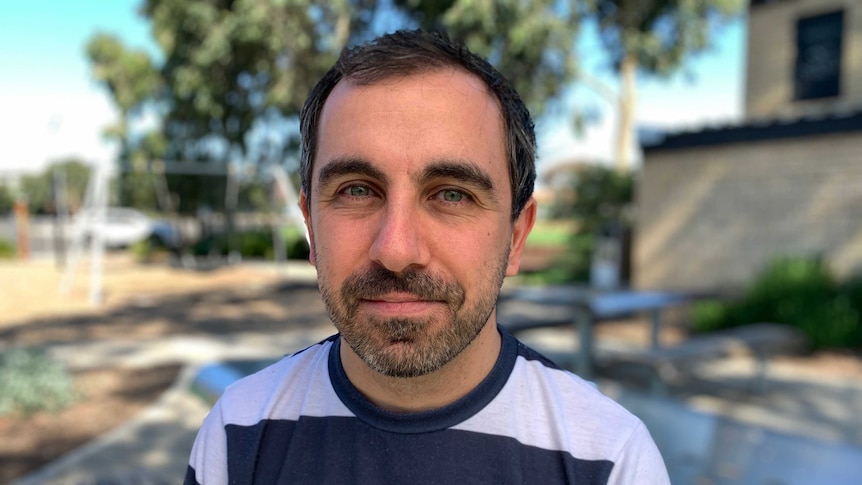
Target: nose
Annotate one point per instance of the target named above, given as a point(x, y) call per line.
point(399, 242)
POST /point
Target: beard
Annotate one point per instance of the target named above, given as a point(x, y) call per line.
point(410, 346)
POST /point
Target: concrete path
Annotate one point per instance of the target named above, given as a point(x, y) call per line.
point(153, 448)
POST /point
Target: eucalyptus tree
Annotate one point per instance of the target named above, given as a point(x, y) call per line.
point(656, 37)
point(532, 42)
point(131, 78)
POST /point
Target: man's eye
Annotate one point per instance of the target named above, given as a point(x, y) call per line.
point(358, 191)
point(452, 195)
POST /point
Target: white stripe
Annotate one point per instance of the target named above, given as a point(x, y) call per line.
point(553, 409)
point(295, 386)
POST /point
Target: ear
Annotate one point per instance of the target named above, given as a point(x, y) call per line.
point(520, 230)
point(306, 216)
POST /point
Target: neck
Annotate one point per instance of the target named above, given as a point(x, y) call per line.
point(431, 391)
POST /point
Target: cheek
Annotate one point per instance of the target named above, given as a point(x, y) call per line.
point(341, 241)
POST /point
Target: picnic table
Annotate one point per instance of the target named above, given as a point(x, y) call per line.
point(588, 307)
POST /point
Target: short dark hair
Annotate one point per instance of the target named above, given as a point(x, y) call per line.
point(407, 52)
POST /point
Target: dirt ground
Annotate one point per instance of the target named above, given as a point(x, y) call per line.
point(140, 301)
point(150, 301)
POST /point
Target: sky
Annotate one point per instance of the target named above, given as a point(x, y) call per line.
point(51, 108)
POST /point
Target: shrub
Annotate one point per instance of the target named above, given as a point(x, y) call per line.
point(31, 381)
point(149, 250)
point(253, 244)
point(7, 249)
point(297, 248)
point(796, 291)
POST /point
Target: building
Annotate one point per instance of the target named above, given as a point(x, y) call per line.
point(716, 205)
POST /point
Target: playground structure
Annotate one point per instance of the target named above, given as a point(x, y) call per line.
point(87, 234)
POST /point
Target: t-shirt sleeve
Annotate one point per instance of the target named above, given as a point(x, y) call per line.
point(639, 461)
point(208, 460)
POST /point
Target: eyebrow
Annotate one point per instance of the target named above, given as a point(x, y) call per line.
point(349, 166)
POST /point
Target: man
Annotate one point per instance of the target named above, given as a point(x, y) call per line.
point(417, 179)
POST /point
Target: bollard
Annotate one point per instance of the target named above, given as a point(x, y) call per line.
point(22, 229)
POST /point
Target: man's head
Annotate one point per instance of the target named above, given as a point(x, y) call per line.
point(409, 52)
point(409, 148)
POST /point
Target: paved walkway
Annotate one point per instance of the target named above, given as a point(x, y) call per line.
point(154, 447)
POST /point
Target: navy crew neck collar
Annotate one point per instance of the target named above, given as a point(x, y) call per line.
point(425, 421)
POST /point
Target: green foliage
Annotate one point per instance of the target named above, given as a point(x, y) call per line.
point(659, 34)
point(571, 266)
point(549, 233)
point(7, 200)
point(129, 75)
point(602, 195)
point(230, 68)
point(532, 42)
point(252, 244)
point(227, 70)
point(653, 36)
point(39, 190)
point(595, 197)
point(796, 291)
point(7, 249)
point(31, 381)
point(580, 251)
point(133, 80)
point(150, 250)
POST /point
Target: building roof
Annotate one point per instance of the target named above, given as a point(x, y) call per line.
point(760, 130)
point(757, 3)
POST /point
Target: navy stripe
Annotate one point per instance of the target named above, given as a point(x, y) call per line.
point(190, 477)
point(529, 354)
point(342, 450)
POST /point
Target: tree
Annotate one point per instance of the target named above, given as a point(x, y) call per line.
point(7, 199)
point(232, 75)
point(236, 71)
point(39, 190)
point(656, 37)
point(131, 78)
point(229, 78)
point(530, 41)
point(602, 201)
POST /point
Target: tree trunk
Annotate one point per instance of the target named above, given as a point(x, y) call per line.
point(626, 129)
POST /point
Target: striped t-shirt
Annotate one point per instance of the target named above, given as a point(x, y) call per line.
point(301, 421)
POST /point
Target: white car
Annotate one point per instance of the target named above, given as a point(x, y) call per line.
point(123, 226)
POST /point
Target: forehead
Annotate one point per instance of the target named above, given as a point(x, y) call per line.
point(404, 123)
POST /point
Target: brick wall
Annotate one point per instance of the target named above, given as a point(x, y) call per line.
point(712, 217)
point(772, 56)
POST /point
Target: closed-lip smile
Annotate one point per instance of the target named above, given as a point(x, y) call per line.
point(400, 304)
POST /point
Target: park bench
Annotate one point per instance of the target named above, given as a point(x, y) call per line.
point(529, 308)
point(759, 340)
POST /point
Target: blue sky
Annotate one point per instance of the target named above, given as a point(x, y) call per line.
point(50, 107)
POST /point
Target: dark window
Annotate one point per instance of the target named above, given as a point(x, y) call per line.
point(818, 55)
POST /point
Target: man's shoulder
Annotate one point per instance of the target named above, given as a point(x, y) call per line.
point(303, 373)
point(538, 383)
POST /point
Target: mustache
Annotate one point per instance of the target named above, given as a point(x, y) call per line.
point(378, 281)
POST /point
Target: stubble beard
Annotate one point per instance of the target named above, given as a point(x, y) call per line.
point(409, 347)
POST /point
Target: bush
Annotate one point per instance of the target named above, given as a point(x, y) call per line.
point(7, 249)
point(30, 381)
point(253, 244)
point(149, 250)
point(796, 291)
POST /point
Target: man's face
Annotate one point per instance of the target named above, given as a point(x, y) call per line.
point(410, 217)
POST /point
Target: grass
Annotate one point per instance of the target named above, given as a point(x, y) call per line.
point(550, 233)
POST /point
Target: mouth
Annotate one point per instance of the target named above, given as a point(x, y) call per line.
point(400, 304)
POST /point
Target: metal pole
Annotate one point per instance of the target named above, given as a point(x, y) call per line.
point(97, 244)
point(584, 320)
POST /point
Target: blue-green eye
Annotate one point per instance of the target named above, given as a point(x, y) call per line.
point(358, 191)
point(452, 196)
